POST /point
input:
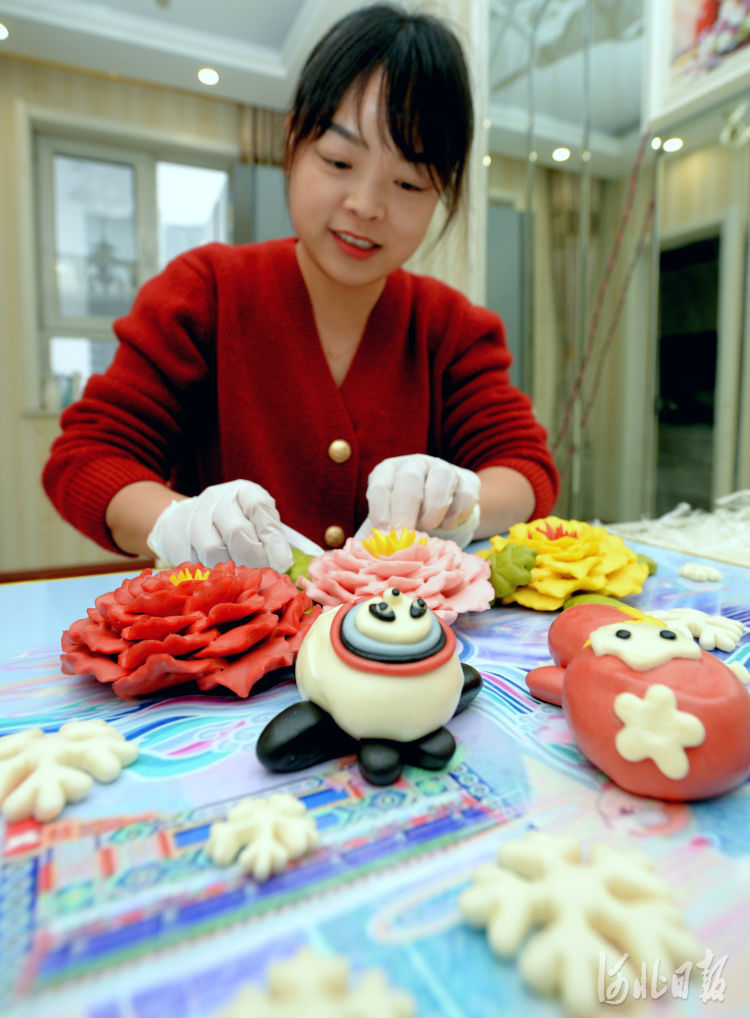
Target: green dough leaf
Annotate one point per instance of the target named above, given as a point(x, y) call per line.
point(652, 566)
point(594, 599)
point(511, 568)
point(300, 561)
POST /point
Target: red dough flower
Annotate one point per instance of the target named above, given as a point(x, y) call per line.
point(226, 626)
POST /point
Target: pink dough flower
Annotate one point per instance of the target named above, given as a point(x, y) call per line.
point(448, 579)
point(226, 626)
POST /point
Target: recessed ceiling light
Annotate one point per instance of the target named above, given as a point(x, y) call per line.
point(487, 123)
point(561, 154)
point(673, 144)
point(4, 33)
point(656, 142)
point(486, 160)
point(208, 76)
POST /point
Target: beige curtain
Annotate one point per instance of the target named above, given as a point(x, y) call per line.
point(261, 136)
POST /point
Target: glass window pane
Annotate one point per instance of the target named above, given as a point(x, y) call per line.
point(73, 360)
point(95, 241)
point(192, 204)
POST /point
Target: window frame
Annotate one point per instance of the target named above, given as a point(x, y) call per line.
point(143, 154)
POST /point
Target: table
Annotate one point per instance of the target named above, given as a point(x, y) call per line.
point(114, 911)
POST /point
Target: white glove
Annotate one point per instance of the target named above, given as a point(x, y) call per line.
point(236, 521)
point(424, 493)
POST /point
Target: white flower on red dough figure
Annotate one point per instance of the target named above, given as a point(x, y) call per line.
point(450, 580)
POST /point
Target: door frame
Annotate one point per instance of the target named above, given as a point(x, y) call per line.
point(729, 327)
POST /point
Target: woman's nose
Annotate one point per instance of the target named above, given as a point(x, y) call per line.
point(365, 199)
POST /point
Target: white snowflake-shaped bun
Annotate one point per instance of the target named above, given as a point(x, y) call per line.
point(317, 986)
point(700, 573)
point(593, 912)
point(713, 632)
point(267, 833)
point(40, 773)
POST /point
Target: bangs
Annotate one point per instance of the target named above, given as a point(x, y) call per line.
point(426, 116)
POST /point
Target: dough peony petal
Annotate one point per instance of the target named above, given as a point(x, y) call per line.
point(81, 662)
point(240, 638)
point(173, 644)
point(240, 676)
point(156, 627)
point(162, 670)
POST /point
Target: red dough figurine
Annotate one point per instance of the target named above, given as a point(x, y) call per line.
point(657, 714)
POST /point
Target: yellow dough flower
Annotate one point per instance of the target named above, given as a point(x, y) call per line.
point(571, 556)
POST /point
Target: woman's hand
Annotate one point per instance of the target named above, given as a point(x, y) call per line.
point(236, 521)
point(424, 493)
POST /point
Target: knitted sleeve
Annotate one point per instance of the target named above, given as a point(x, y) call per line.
point(130, 423)
point(487, 421)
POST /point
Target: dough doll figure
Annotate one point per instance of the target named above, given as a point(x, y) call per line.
point(311, 384)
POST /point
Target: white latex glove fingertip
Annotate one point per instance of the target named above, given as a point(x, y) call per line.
point(462, 535)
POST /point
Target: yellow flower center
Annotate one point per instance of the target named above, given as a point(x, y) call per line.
point(380, 545)
point(184, 575)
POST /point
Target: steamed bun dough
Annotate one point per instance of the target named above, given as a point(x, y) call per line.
point(385, 669)
point(378, 679)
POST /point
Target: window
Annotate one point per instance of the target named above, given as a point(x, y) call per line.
point(108, 220)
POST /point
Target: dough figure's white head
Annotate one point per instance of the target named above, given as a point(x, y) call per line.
point(386, 668)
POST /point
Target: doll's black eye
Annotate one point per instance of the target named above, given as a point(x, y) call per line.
point(623, 634)
point(396, 592)
point(383, 612)
point(418, 608)
point(667, 634)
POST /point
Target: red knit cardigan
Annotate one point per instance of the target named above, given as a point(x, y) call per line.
point(220, 374)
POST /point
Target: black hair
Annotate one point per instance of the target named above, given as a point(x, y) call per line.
point(426, 99)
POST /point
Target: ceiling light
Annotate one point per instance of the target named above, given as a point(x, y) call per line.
point(4, 33)
point(673, 144)
point(486, 160)
point(656, 142)
point(487, 123)
point(208, 76)
point(561, 154)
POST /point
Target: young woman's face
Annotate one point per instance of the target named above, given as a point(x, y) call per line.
point(358, 207)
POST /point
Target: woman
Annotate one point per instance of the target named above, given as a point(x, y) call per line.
point(310, 385)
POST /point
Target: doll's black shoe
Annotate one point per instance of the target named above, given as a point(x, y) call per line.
point(380, 761)
point(472, 685)
point(433, 751)
point(302, 735)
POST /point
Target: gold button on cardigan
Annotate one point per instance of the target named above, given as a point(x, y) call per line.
point(334, 536)
point(339, 450)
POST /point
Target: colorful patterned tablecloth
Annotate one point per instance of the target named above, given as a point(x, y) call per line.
point(115, 911)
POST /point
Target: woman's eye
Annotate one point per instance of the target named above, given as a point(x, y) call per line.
point(408, 186)
point(337, 164)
